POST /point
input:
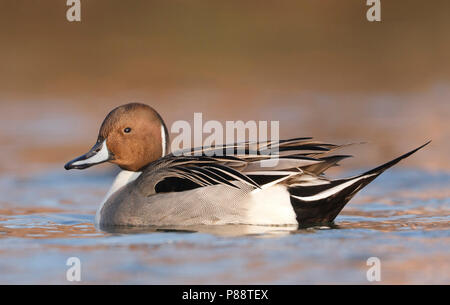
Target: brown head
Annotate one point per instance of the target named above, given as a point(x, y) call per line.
point(131, 136)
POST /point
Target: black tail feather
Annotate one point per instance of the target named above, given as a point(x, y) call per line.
point(385, 166)
point(326, 164)
point(312, 209)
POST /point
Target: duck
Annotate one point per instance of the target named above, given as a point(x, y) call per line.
point(217, 185)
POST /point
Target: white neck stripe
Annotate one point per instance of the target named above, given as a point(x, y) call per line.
point(122, 179)
point(163, 140)
point(333, 190)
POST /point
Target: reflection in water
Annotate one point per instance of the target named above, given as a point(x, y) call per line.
point(222, 230)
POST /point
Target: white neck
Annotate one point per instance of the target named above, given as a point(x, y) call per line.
point(163, 140)
point(122, 179)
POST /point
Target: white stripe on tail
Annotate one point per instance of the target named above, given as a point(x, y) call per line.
point(334, 190)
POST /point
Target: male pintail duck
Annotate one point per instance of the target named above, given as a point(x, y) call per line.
point(206, 186)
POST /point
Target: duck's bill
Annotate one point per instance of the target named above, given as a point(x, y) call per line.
point(99, 153)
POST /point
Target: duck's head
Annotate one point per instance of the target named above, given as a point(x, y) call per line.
point(131, 136)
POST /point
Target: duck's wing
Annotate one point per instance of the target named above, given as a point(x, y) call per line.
point(257, 165)
point(267, 158)
point(181, 173)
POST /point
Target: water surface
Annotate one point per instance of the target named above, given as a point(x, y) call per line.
point(402, 218)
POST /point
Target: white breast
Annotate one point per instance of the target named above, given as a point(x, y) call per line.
point(122, 179)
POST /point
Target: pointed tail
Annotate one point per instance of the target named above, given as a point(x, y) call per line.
point(378, 170)
point(322, 203)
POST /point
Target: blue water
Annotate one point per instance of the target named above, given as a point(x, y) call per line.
point(403, 218)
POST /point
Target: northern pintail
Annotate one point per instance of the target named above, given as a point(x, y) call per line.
point(210, 186)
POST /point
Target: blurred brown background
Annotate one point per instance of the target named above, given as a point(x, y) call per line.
point(319, 67)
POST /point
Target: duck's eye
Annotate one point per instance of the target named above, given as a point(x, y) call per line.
point(127, 130)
